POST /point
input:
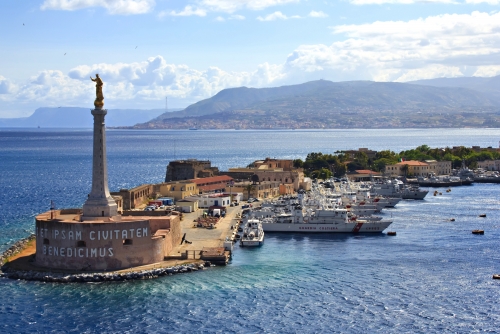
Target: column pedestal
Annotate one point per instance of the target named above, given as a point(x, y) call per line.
point(99, 203)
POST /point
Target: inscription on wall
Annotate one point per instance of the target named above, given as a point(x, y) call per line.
point(82, 251)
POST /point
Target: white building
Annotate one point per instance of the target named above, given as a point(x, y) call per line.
point(206, 201)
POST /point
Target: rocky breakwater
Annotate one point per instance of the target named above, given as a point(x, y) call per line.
point(101, 277)
point(15, 248)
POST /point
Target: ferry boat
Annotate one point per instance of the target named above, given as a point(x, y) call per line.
point(322, 221)
point(253, 234)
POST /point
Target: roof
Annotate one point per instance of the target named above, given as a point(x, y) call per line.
point(412, 163)
point(212, 179)
point(187, 200)
point(366, 171)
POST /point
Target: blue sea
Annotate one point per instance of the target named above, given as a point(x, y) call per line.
point(434, 276)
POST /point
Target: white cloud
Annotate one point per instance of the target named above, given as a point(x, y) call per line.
point(489, 2)
point(277, 16)
point(124, 7)
point(449, 45)
point(487, 71)
point(236, 17)
point(187, 11)
point(220, 19)
point(6, 87)
point(319, 14)
point(231, 6)
point(402, 2)
point(436, 46)
point(140, 85)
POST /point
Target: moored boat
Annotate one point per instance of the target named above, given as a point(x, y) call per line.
point(253, 233)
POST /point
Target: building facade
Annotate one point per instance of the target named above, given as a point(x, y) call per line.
point(177, 189)
point(415, 168)
point(189, 169)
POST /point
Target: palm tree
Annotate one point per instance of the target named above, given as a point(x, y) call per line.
point(404, 169)
point(248, 188)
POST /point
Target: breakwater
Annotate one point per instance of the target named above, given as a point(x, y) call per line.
point(31, 275)
point(15, 248)
point(7, 271)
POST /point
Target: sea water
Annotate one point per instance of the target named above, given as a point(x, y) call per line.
point(434, 276)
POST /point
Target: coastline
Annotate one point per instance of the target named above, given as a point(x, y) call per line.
point(19, 257)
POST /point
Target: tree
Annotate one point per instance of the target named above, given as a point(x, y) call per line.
point(405, 169)
point(298, 163)
point(249, 189)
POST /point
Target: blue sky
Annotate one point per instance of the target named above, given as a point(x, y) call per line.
point(145, 50)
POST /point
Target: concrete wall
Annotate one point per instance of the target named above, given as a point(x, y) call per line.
point(135, 197)
point(100, 245)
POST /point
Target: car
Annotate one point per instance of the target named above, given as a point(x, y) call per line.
point(251, 200)
point(150, 208)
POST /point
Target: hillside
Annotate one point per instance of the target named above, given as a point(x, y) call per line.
point(326, 104)
point(490, 87)
point(69, 117)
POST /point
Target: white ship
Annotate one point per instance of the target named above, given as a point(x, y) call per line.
point(315, 213)
point(322, 221)
point(253, 234)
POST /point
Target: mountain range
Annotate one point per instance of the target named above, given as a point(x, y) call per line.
point(72, 117)
point(444, 102)
point(454, 102)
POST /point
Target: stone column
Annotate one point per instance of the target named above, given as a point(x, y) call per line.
point(99, 203)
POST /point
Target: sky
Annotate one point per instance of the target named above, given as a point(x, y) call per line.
point(150, 51)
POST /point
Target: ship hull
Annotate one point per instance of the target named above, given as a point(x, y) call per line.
point(350, 227)
point(251, 243)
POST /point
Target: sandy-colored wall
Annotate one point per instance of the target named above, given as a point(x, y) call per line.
point(104, 249)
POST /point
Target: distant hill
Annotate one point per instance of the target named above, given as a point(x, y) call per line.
point(487, 86)
point(70, 117)
point(333, 104)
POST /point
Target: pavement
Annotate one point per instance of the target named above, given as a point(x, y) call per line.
point(203, 237)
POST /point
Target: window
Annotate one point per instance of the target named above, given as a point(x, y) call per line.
point(127, 242)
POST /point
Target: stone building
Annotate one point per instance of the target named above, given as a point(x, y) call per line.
point(135, 197)
point(415, 168)
point(64, 241)
point(213, 184)
point(351, 154)
point(489, 165)
point(271, 170)
point(177, 189)
point(189, 169)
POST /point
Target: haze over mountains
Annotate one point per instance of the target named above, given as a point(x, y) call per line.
point(446, 102)
point(72, 117)
point(458, 102)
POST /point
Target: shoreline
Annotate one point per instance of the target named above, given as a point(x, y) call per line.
point(20, 252)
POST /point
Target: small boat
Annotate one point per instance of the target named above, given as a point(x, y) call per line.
point(478, 232)
point(253, 234)
point(392, 233)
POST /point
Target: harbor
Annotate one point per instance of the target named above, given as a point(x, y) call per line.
point(293, 277)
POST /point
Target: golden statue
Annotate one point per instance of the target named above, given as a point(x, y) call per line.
point(99, 98)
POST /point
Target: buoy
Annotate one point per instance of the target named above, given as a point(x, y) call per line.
point(391, 233)
point(496, 276)
point(452, 219)
point(478, 232)
point(482, 215)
